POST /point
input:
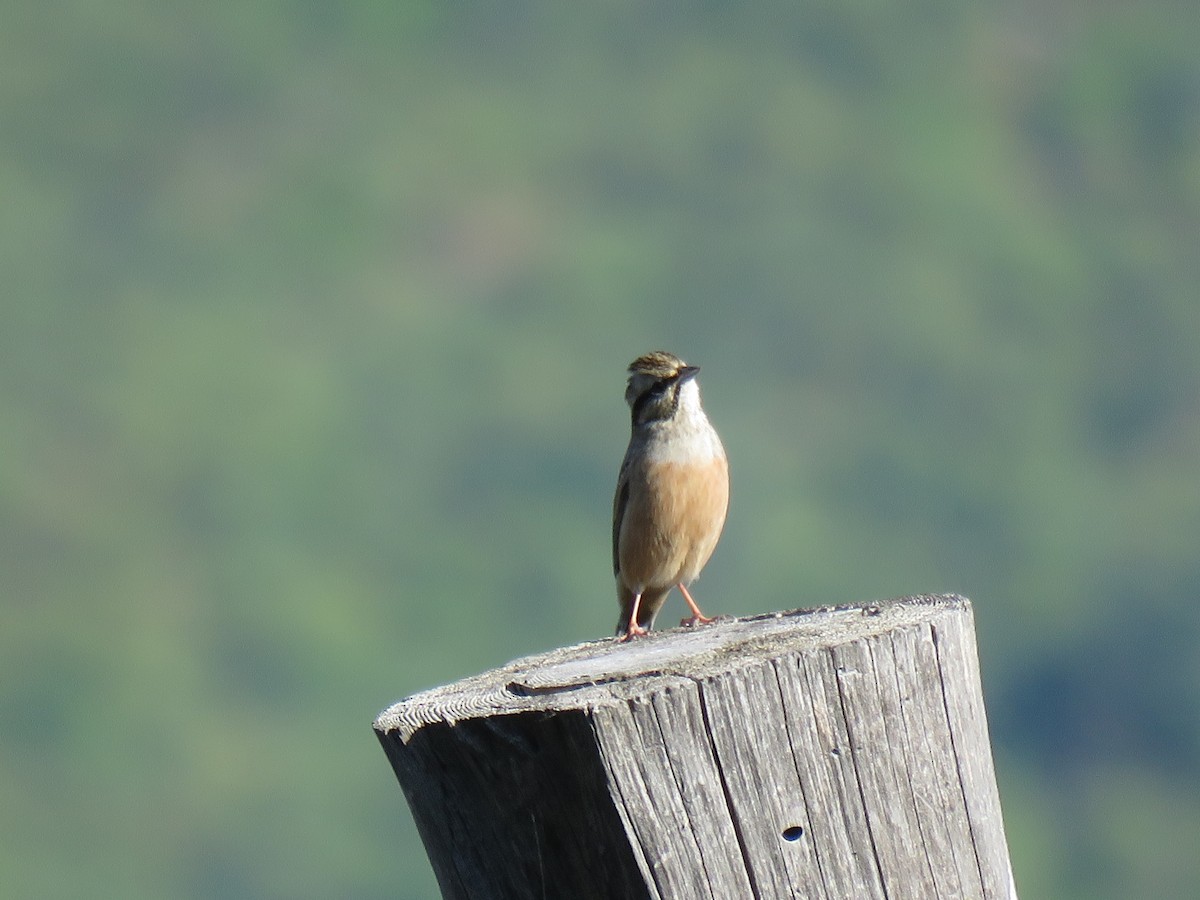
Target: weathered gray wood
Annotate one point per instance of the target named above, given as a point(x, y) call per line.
point(833, 753)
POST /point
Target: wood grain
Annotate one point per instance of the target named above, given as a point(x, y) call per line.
point(831, 753)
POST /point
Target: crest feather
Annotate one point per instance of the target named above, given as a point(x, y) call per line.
point(657, 364)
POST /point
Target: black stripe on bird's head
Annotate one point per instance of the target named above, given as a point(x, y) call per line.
point(654, 383)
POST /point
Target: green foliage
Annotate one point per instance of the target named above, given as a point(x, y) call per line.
point(311, 366)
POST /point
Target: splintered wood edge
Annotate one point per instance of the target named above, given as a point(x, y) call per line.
point(598, 673)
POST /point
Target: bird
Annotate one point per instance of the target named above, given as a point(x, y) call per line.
point(672, 492)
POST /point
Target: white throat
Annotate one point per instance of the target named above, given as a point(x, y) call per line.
point(688, 436)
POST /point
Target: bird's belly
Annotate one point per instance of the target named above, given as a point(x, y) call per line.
point(673, 521)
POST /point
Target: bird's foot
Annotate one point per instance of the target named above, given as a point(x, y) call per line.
point(697, 617)
point(635, 630)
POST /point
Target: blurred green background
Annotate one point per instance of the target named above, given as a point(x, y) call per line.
point(312, 342)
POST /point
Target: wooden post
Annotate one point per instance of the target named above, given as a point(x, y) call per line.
point(831, 753)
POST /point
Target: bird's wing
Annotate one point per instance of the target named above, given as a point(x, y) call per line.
point(620, 501)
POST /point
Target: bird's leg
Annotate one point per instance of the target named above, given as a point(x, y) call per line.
point(634, 630)
point(697, 617)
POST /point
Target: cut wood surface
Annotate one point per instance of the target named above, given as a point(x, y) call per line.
point(829, 753)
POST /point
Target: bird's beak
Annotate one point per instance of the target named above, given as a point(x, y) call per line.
point(687, 373)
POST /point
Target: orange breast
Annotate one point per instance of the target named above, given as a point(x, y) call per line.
point(672, 521)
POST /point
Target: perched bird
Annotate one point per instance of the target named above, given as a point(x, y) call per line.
point(672, 493)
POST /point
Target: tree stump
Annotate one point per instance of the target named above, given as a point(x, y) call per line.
point(829, 753)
